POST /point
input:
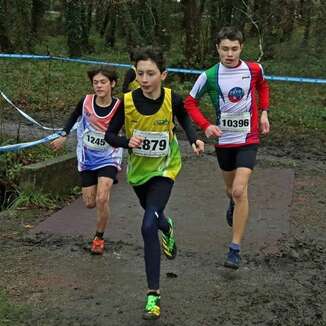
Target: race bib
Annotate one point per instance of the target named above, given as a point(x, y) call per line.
point(235, 122)
point(155, 144)
point(95, 140)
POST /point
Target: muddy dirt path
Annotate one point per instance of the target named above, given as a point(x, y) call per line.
point(54, 275)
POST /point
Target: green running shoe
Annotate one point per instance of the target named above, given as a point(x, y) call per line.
point(168, 242)
point(152, 307)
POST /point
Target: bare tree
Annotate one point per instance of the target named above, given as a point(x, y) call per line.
point(73, 27)
point(192, 16)
point(5, 42)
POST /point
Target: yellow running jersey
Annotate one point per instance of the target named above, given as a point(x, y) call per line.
point(159, 154)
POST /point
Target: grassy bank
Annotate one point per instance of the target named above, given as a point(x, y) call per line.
point(12, 314)
point(49, 90)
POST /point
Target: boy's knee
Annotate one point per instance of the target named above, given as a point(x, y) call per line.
point(101, 201)
point(90, 204)
point(149, 227)
point(238, 193)
point(148, 230)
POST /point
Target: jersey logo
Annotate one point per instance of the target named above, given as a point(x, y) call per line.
point(162, 122)
point(236, 94)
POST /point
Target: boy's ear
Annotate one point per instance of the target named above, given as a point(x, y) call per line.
point(164, 75)
point(113, 83)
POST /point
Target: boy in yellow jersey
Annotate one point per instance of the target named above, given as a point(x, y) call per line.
point(154, 159)
point(130, 82)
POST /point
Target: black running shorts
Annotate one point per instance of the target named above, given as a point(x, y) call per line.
point(89, 177)
point(232, 158)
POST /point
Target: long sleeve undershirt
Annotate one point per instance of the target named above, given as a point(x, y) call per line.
point(148, 106)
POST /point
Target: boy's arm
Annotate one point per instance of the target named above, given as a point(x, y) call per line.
point(74, 116)
point(262, 90)
point(129, 77)
point(186, 124)
point(59, 142)
point(191, 104)
point(183, 118)
point(263, 96)
point(192, 107)
point(115, 125)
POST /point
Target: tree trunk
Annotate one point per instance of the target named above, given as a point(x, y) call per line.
point(192, 12)
point(99, 14)
point(306, 12)
point(23, 37)
point(5, 43)
point(111, 29)
point(73, 27)
point(320, 30)
point(38, 10)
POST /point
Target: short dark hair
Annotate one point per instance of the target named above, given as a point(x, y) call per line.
point(151, 53)
point(104, 70)
point(231, 33)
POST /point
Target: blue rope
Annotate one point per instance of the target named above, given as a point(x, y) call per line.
point(123, 65)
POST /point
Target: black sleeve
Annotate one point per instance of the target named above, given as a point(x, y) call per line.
point(129, 77)
point(74, 116)
point(183, 118)
point(112, 133)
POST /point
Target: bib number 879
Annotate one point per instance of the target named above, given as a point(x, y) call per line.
point(154, 144)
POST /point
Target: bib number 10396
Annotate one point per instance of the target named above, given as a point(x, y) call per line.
point(235, 122)
point(155, 144)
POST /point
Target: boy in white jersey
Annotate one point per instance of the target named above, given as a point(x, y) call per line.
point(98, 162)
point(232, 86)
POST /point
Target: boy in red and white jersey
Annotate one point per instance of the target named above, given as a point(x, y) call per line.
point(233, 86)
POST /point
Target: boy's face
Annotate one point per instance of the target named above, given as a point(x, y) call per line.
point(102, 85)
point(149, 76)
point(229, 52)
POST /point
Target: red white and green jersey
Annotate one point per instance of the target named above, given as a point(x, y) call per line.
point(233, 94)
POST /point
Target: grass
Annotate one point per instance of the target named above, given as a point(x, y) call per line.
point(31, 198)
point(12, 314)
point(48, 91)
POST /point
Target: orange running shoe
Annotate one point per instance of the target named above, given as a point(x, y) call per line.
point(97, 246)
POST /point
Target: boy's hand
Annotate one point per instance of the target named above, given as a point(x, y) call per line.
point(213, 130)
point(135, 141)
point(198, 147)
point(264, 123)
point(58, 143)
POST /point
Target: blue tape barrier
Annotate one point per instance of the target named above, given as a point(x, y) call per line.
point(25, 115)
point(17, 147)
point(122, 65)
